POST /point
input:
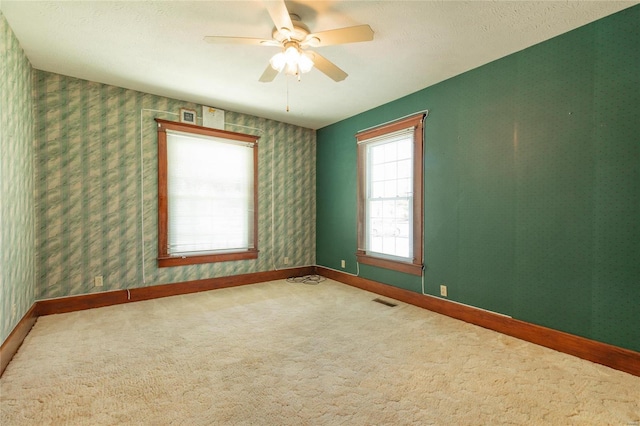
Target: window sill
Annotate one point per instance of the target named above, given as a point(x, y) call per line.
point(407, 268)
point(168, 261)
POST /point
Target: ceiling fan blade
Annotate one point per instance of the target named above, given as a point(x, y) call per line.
point(240, 40)
point(339, 36)
point(268, 75)
point(280, 16)
point(328, 67)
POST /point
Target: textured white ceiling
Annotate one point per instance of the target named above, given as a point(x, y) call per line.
point(157, 47)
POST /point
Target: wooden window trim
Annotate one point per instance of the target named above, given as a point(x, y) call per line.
point(414, 267)
point(164, 258)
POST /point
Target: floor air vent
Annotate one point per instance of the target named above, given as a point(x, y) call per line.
point(385, 302)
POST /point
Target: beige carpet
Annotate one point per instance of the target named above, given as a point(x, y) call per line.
point(280, 353)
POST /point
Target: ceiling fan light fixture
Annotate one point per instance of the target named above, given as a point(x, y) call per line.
point(292, 60)
point(278, 61)
point(291, 68)
point(305, 63)
point(292, 54)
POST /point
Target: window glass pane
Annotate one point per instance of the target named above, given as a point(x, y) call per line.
point(405, 149)
point(377, 172)
point(391, 170)
point(404, 168)
point(390, 189)
point(402, 247)
point(377, 190)
point(390, 151)
point(377, 154)
point(390, 178)
point(389, 245)
point(403, 229)
point(404, 187)
point(376, 244)
point(376, 209)
point(389, 208)
point(376, 229)
point(210, 195)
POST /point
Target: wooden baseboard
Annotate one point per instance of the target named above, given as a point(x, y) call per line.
point(98, 300)
point(612, 356)
point(11, 345)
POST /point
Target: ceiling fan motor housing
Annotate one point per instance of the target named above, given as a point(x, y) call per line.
point(299, 32)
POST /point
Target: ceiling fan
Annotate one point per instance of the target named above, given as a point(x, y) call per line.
point(293, 37)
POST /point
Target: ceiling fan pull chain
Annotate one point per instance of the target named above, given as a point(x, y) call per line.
point(287, 78)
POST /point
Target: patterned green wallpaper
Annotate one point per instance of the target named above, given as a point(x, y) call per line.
point(17, 218)
point(96, 189)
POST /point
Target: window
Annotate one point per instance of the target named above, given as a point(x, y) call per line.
point(207, 195)
point(390, 212)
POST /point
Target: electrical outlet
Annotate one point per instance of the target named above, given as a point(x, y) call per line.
point(443, 290)
point(343, 264)
point(286, 260)
point(98, 281)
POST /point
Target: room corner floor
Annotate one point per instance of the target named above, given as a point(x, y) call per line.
point(285, 353)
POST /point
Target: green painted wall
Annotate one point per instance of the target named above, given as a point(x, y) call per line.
point(17, 217)
point(96, 167)
point(532, 184)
